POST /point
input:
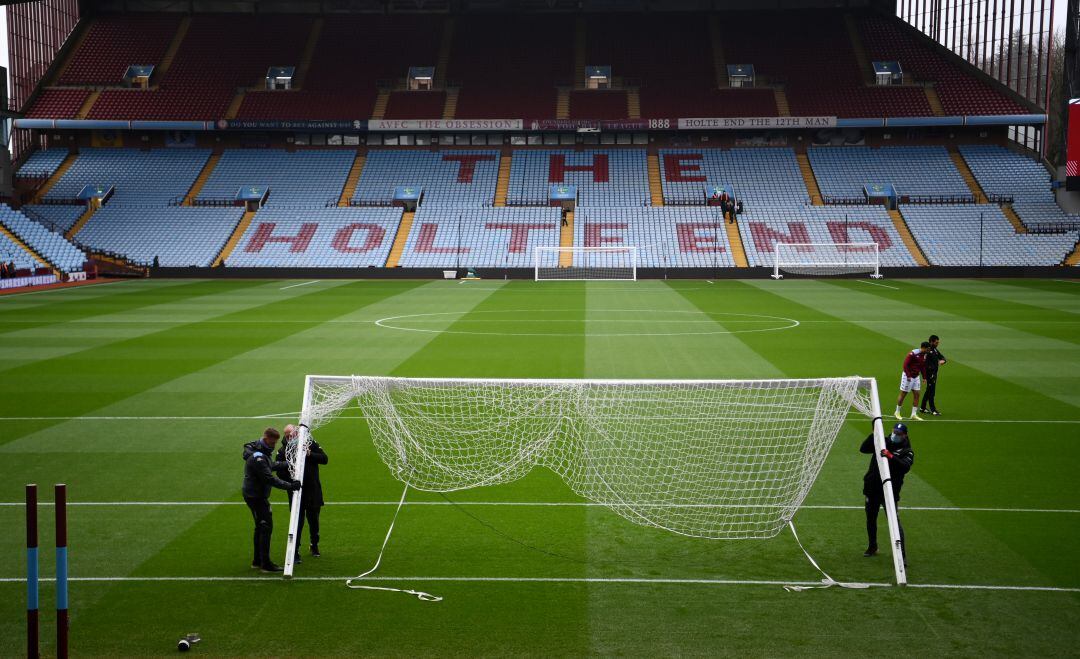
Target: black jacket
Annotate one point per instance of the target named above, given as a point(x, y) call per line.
point(899, 465)
point(258, 471)
point(311, 495)
point(932, 359)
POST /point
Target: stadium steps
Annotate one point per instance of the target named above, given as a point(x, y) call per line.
point(716, 38)
point(83, 29)
point(174, 46)
point(566, 239)
point(234, 106)
point(738, 253)
point(934, 100)
point(656, 186)
point(381, 101)
point(352, 180)
point(580, 40)
point(909, 240)
point(201, 179)
point(450, 105)
point(309, 51)
point(633, 104)
point(26, 248)
point(967, 175)
point(84, 109)
point(445, 46)
point(861, 58)
point(562, 104)
point(81, 222)
point(40, 193)
point(780, 96)
point(502, 184)
point(1010, 213)
point(809, 179)
point(234, 239)
point(400, 239)
point(1073, 259)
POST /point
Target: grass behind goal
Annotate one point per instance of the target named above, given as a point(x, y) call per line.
point(144, 391)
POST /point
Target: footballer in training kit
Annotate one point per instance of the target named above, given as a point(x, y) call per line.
point(911, 379)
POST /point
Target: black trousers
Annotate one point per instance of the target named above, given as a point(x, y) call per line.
point(264, 527)
point(873, 505)
point(928, 402)
point(312, 514)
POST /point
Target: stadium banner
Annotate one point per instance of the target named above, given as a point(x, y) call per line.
point(314, 125)
point(741, 123)
point(588, 125)
point(1072, 149)
point(436, 125)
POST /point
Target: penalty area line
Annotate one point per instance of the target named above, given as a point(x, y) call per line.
point(556, 580)
point(305, 283)
point(874, 283)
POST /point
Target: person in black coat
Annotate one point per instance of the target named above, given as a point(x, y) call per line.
point(259, 478)
point(311, 496)
point(901, 458)
point(934, 360)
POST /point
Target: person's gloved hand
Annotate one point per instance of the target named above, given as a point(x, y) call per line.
point(887, 454)
point(294, 486)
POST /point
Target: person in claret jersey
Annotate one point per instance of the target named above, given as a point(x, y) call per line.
point(911, 379)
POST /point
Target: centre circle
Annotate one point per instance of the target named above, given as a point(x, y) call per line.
point(596, 323)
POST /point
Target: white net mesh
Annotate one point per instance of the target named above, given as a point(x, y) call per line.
point(826, 258)
point(711, 459)
point(618, 263)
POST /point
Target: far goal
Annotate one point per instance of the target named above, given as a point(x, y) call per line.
point(826, 259)
point(586, 263)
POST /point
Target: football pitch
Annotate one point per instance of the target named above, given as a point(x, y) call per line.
point(139, 395)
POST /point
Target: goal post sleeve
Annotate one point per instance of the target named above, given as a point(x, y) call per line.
point(886, 480)
point(303, 439)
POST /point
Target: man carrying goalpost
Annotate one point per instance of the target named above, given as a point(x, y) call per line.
point(911, 379)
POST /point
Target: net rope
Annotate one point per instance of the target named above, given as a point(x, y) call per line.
point(826, 259)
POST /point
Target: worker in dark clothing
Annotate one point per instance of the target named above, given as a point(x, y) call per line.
point(311, 496)
point(258, 479)
point(901, 458)
point(934, 360)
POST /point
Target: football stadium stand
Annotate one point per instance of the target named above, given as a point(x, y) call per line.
point(309, 178)
point(925, 172)
point(43, 163)
point(53, 247)
point(157, 176)
point(115, 42)
point(665, 237)
point(415, 105)
point(11, 252)
point(758, 176)
point(1006, 173)
point(57, 217)
point(604, 177)
point(480, 237)
point(58, 103)
point(980, 234)
point(179, 236)
point(323, 238)
point(448, 178)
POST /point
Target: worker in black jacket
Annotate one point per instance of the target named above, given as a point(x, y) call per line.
point(311, 496)
point(901, 458)
point(258, 479)
point(934, 360)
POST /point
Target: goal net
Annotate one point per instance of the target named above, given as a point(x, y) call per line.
point(586, 263)
point(718, 459)
point(825, 259)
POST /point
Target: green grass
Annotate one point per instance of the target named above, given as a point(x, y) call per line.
point(144, 391)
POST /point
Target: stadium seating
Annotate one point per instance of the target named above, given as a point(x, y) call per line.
point(980, 234)
point(593, 104)
point(415, 105)
point(322, 238)
point(1003, 172)
point(665, 237)
point(156, 176)
point(759, 176)
point(52, 246)
point(55, 217)
point(922, 171)
point(12, 253)
point(179, 236)
point(670, 100)
point(762, 228)
point(480, 237)
point(604, 177)
point(115, 42)
point(307, 178)
point(43, 163)
point(53, 103)
point(449, 178)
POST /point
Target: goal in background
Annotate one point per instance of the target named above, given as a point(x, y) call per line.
point(826, 259)
point(586, 263)
point(715, 459)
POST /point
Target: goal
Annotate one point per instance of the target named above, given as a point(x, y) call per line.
point(586, 263)
point(826, 259)
point(715, 459)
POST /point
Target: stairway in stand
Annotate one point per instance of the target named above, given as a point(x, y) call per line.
point(967, 175)
point(400, 239)
point(934, 100)
point(909, 240)
point(809, 179)
point(1014, 219)
point(719, 62)
point(81, 222)
point(234, 239)
point(861, 58)
point(566, 239)
point(780, 97)
point(381, 101)
point(502, 184)
point(26, 248)
point(738, 254)
point(352, 180)
point(201, 179)
point(1073, 259)
point(40, 193)
point(450, 105)
point(656, 186)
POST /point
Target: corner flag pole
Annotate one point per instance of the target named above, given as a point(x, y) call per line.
point(886, 483)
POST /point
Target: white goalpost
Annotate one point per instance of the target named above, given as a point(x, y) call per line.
point(586, 263)
point(826, 259)
point(714, 459)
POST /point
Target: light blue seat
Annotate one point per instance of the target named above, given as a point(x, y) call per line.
point(627, 172)
point(306, 178)
point(53, 247)
point(317, 238)
point(43, 163)
point(179, 236)
point(915, 171)
point(451, 178)
point(157, 176)
point(665, 237)
point(57, 217)
point(758, 176)
point(480, 237)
